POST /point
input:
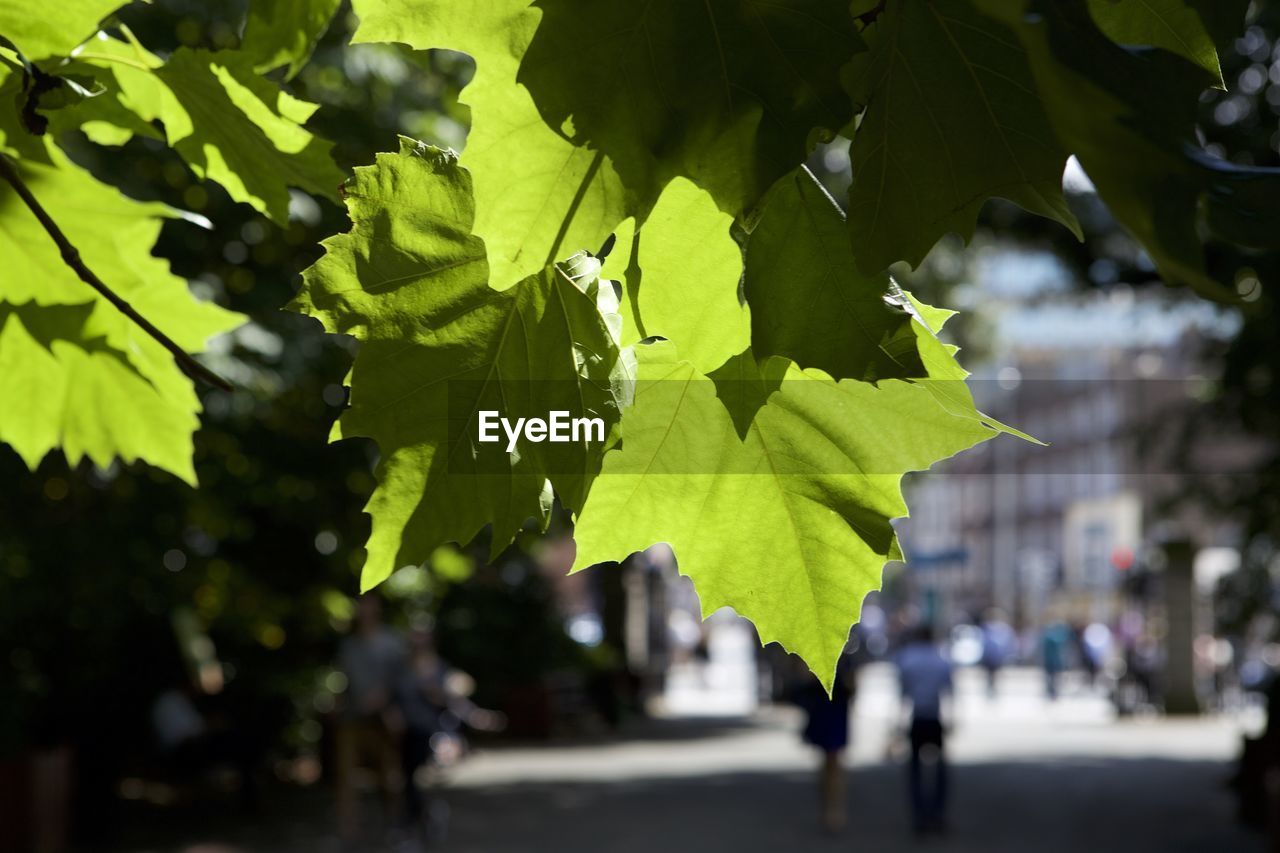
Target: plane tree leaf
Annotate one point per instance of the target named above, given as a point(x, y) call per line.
point(284, 32)
point(228, 123)
point(438, 345)
point(952, 118)
point(1141, 152)
point(114, 115)
point(85, 396)
point(52, 29)
point(603, 104)
point(686, 277)
point(783, 376)
point(1173, 25)
point(818, 472)
point(1222, 19)
point(233, 127)
point(99, 387)
point(810, 301)
point(563, 197)
point(729, 93)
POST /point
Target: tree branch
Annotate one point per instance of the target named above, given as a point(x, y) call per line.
point(71, 256)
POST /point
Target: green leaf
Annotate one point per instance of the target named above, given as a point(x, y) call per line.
point(562, 198)
point(52, 29)
point(114, 235)
point(1173, 25)
point(552, 78)
point(1223, 19)
point(809, 301)
point(952, 119)
point(230, 126)
point(54, 93)
point(818, 474)
point(233, 127)
point(107, 119)
point(107, 388)
point(284, 32)
point(117, 115)
point(686, 278)
point(438, 345)
point(83, 395)
point(728, 93)
point(16, 140)
point(1129, 116)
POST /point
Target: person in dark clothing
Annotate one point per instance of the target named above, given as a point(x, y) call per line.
point(827, 728)
point(192, 743)
point(372, 659)
point(434, 702)
point(423, 700)
point(1257, 778)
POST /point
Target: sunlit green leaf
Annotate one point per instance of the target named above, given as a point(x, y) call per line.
point(818, 474)
point(107, 388)
point(438, 345)
point(687, 276)
point(82, 395)
point(563, 198)
point(284, 32)
point(230, 126)
point(810, 302)
point(52, 29)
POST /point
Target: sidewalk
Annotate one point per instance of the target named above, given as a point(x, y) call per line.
point(1029, 776)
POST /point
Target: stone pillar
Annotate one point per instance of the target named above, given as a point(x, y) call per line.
point(1180, 695)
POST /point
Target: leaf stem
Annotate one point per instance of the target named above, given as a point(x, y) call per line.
point(71, 256)
point(106, 57)
point(138, 50)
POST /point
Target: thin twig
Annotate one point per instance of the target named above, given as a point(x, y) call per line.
point(71, 256)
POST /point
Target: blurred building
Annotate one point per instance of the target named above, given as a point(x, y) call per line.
point(1112, 381)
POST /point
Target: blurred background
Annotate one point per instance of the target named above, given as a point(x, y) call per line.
point(174, 673)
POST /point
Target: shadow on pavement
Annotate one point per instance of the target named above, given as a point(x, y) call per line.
point(1096, 804)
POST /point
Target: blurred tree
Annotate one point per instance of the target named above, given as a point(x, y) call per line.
point(94, 564)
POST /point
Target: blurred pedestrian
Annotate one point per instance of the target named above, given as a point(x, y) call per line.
point(1054, 645)
point(925, 678)
point(827, 728)
point(192, 743)
point(998, 641)
point(372, 657)
point(435, 701)
point(1095, 651)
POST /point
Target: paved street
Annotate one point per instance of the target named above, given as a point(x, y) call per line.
point(1028, 776)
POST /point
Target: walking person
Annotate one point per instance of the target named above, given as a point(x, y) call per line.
point(1054, 644)
point(998, 642)
point(925, 678)
point(372, 659)
point(435, 702)
point(827, 728)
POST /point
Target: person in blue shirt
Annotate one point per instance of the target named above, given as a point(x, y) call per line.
point(925, 678)
point(998, 645)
